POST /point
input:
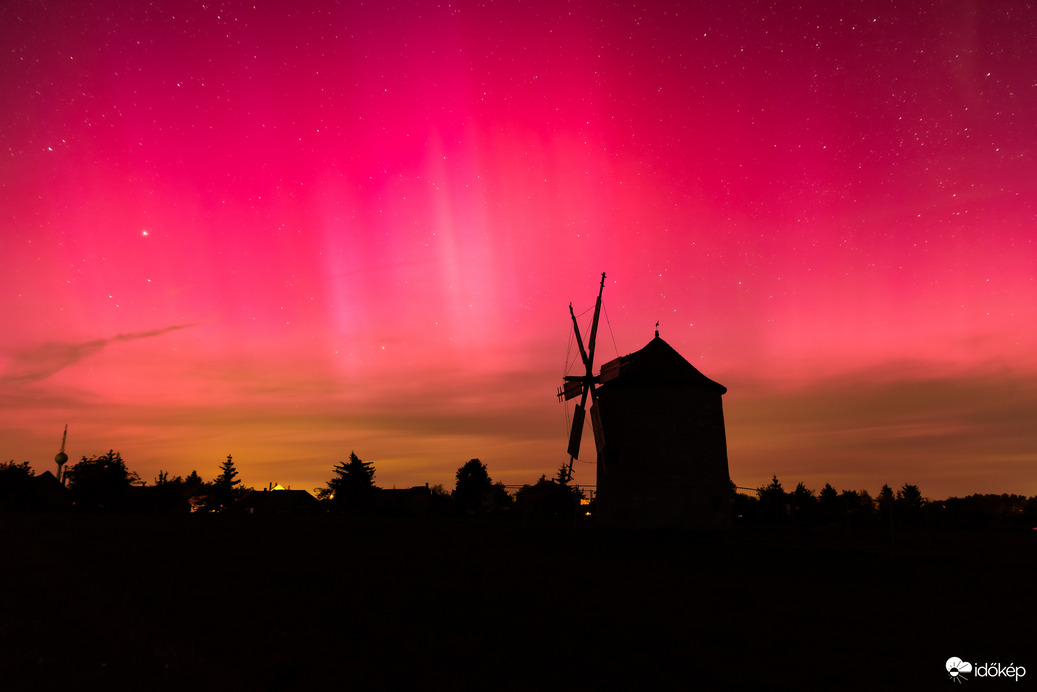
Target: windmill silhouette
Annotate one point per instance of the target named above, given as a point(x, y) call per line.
point(659, 431)
point(583, 385)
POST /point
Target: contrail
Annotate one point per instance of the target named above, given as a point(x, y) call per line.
point(41, 362)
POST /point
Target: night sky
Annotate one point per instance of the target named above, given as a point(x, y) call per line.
point(290, 230)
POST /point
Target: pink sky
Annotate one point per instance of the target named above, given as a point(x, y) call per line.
point(288, 232)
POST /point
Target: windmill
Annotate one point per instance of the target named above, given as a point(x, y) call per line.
point(659, 431)
point(583, 385)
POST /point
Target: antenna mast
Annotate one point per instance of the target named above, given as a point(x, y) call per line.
point(60, 458)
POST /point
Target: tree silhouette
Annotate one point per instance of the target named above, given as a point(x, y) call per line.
point(550, 498)
point(849, 502)
point(573, 492)
point(773, 491)
point(803, 496)
point(885, 499)
point(225, 490)
point(473, 487)
point(773, 500)
point(228, 477)
point(909, 504)
point(16, 485)
point(499, 499)
point(167, 495)
point(861, 508)
point(194, 483)
point(100, 483)
point(828, 504)
point(803, 504)
point(885, 503)
point(442, 501)
point(353, 487)
point(196, 491)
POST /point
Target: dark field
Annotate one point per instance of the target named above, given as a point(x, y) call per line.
point(311, 603)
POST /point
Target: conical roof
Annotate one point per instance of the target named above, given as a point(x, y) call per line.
point(656, 363)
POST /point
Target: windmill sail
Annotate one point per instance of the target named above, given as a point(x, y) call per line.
point(583, 386)
point(571, 389)
point(599, 432)
point(577, 432)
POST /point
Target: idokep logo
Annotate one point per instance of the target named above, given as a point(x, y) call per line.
point(957, 668)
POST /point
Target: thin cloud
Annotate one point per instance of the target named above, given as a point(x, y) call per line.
point(39, 363)
point(923, 431)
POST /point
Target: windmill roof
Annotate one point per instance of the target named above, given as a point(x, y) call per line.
point(657, 362)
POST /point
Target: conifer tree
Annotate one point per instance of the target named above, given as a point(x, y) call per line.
point(227, 479)
point(193, 480)
point(225, 488)
point(772, 500)
point(196, 490)
point(353, 487)
point(828, 500)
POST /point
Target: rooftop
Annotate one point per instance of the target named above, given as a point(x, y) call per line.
point(656, 362)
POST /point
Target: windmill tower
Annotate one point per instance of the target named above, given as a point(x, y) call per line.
point(60, 458)
point(659, 430)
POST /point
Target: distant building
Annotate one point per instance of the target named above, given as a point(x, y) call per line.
point(662, 459)
point(548, 499)
point(404, 501)
point(280, 502)
point(49, 493)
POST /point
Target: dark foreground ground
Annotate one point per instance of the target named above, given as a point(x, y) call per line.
point(313, 603)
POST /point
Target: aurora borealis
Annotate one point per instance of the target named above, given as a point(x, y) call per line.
point(288, 231)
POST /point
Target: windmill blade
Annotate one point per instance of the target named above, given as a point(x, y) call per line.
point(577, 432)
point(596, 427)
point(579, 339)
point(594, 328)
point(571, 389)
point(579, 413)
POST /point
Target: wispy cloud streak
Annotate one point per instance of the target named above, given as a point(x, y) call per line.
point(39, 363)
